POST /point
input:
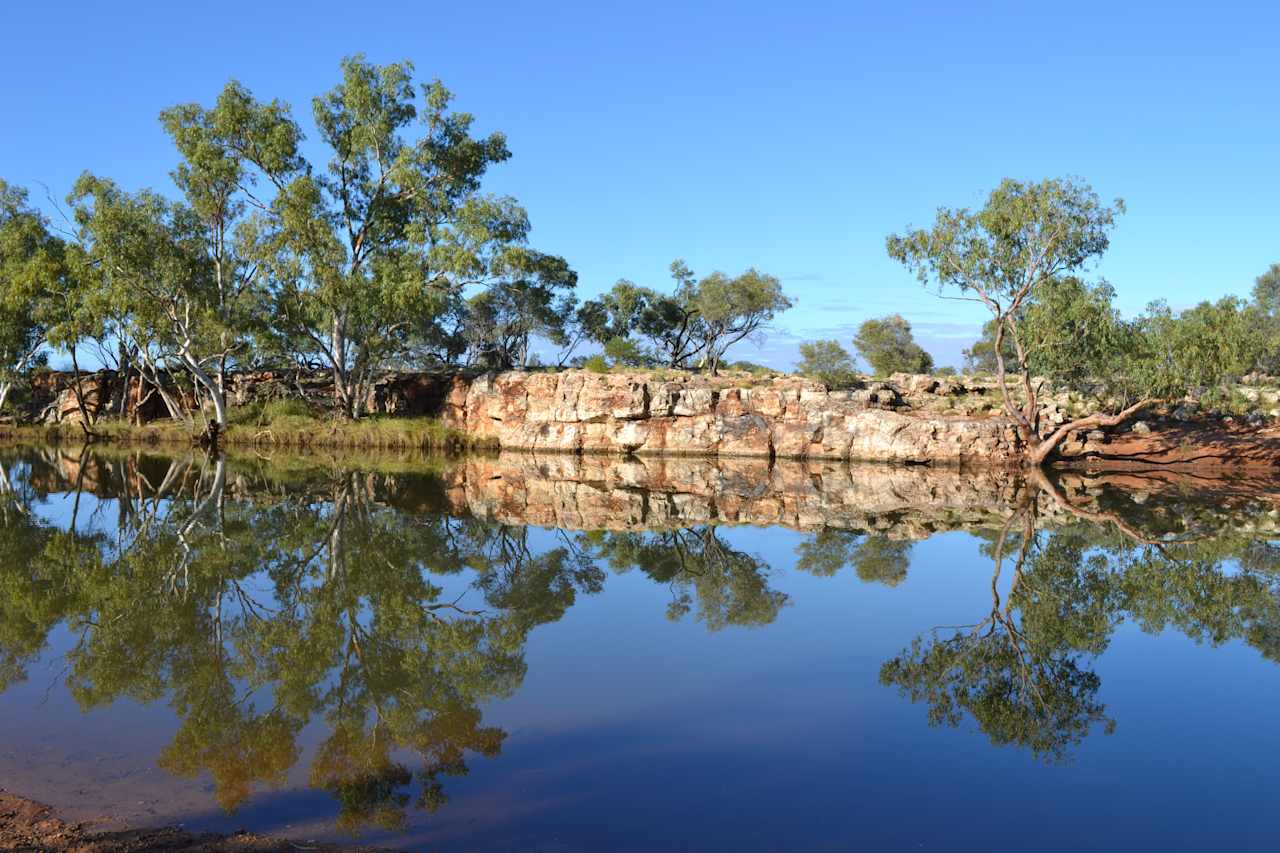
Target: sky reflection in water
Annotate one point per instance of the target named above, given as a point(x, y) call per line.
point(552, 653)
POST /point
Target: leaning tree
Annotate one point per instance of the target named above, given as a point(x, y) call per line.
point(1016, 253)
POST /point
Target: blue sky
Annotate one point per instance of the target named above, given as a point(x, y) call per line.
point(789, 137)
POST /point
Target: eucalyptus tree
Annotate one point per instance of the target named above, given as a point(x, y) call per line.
point(151, 271)
point(734, 308)
point(1266, 298)
point(1022, 244)
point(699, 320)
point(670, 329)
point(886, 344)
point(230, 234)
point(393, 228)
point(1206, 346)
point(32, 268)
point(532, 298)
point(828, 362)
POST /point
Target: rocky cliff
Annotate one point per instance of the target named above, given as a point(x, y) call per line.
point(580, 412)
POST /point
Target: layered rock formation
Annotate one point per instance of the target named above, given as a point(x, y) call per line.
point(580, 412)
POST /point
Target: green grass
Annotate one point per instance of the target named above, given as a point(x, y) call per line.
point(279, 423)
point(285, 428)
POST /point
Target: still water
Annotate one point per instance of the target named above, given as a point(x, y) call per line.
point(585, 654)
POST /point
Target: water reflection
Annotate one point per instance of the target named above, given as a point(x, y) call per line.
point(390, 602)
point(1022, 669)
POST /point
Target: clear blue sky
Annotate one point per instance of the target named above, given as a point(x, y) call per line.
point(790, 137)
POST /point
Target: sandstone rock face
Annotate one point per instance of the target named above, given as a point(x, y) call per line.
point(582, 412)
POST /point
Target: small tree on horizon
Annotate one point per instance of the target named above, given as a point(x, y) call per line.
point(828, 362)
point(696, 324)
point(886, 344)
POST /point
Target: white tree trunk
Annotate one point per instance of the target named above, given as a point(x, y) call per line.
point(208, 384)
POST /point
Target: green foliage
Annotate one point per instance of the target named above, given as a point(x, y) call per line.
point(887, 346)
point(700, 320)
point(367, 253)
point(1266, 299)
point(981, 357)
point(1074, 336)
point(736, 308)
point(1266, 291)
point(827, 362)
point(150, 276)
point(744, 366)
point(669, 330)
point(533, 297)
point(625, 352)
point(1025, 236)
point(596, 364)
point(1027, 240)
point(33, 269)
point(1203, 347)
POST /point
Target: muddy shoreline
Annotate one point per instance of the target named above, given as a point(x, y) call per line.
point(30, 826)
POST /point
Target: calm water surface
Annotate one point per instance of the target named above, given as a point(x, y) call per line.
point(557, 654)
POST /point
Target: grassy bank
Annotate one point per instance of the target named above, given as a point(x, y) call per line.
point(282, 424)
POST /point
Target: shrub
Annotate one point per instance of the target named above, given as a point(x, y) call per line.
point(827, 362)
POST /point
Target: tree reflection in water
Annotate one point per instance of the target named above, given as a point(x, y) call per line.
point(256, 603)
point(1023, 672)
point(253, 617)
point(723, 586)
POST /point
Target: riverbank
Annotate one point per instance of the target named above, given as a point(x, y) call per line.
point(28, 825)
point(289, 430)
point(913, 419)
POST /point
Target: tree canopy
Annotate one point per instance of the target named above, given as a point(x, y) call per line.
point(828, 362)
point(886, 344)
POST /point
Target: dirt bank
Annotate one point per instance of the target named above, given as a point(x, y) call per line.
point(30, 826)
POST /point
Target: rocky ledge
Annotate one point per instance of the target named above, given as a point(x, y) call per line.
point(581, 412)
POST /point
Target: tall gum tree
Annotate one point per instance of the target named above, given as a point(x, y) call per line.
point(32, 266)
point(1026, 240)
point(390, 230)
point(229, 236)
point(146, 262)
